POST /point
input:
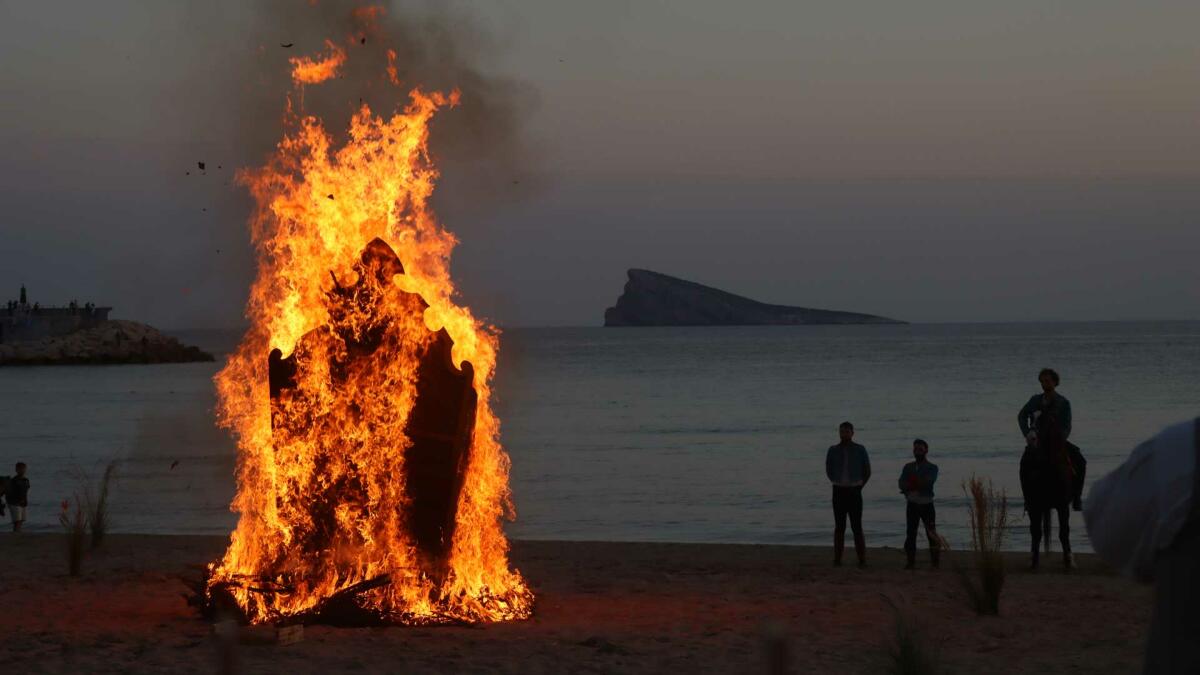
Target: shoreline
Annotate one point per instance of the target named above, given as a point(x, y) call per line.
point(601, 607)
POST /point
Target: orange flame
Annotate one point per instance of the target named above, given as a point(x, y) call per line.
point(318, 206)
point(309, 70)
point(393, 75)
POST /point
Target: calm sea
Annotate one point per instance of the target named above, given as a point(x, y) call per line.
point(658, 434)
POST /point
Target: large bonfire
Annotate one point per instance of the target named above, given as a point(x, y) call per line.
point(371, 483)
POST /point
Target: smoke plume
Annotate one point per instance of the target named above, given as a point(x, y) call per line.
point(479, 146)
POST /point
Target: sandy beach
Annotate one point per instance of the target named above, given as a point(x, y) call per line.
point(602, 608)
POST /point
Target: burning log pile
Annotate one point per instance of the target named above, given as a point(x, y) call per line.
point(371, 480)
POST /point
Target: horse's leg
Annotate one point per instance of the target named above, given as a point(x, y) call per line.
point(1064, 534)
point(1035, 530)
point(1047, 529)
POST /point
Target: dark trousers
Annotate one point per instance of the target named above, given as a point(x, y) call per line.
point(847, 501)
point(914, 515)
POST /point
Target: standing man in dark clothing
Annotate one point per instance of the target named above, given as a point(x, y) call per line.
point(17, 496)
point(848, 468)
point(916, 483)
point(1050, 407)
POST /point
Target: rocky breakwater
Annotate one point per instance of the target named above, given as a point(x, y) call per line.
point(654, 299)
point(110, 342)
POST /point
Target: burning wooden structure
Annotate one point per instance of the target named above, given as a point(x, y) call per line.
point(439, 425)
point(371, 481)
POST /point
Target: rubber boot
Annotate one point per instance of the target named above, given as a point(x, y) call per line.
point(912, 559)
point(839, 543)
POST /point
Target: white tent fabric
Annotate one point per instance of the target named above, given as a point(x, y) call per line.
point(1137, 510)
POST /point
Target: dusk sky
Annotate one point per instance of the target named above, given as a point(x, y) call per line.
point(928, 161)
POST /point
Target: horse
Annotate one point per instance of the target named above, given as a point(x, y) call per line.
point(1047, 483)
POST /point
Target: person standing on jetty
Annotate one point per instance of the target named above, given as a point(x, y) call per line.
point(1144, 520)
point(17, 496)
point(848, 468)
point(916, 483)
point(1054, 408)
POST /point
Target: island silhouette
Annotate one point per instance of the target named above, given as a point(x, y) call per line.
point(656, 299)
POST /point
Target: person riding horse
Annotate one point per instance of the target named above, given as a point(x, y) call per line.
point(1047, 484)
point(1050, 405)
point(1052, 468)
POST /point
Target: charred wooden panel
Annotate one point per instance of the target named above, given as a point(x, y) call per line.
point(440, 426)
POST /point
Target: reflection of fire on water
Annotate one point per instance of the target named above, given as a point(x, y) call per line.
point(371, 483)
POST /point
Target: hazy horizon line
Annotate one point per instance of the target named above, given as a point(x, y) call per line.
point(503, 327)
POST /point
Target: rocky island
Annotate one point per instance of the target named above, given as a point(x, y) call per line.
point(654, 299)
point(83, 334)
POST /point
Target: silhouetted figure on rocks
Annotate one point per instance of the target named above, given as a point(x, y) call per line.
point(1144, 519)
point(848, 469)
